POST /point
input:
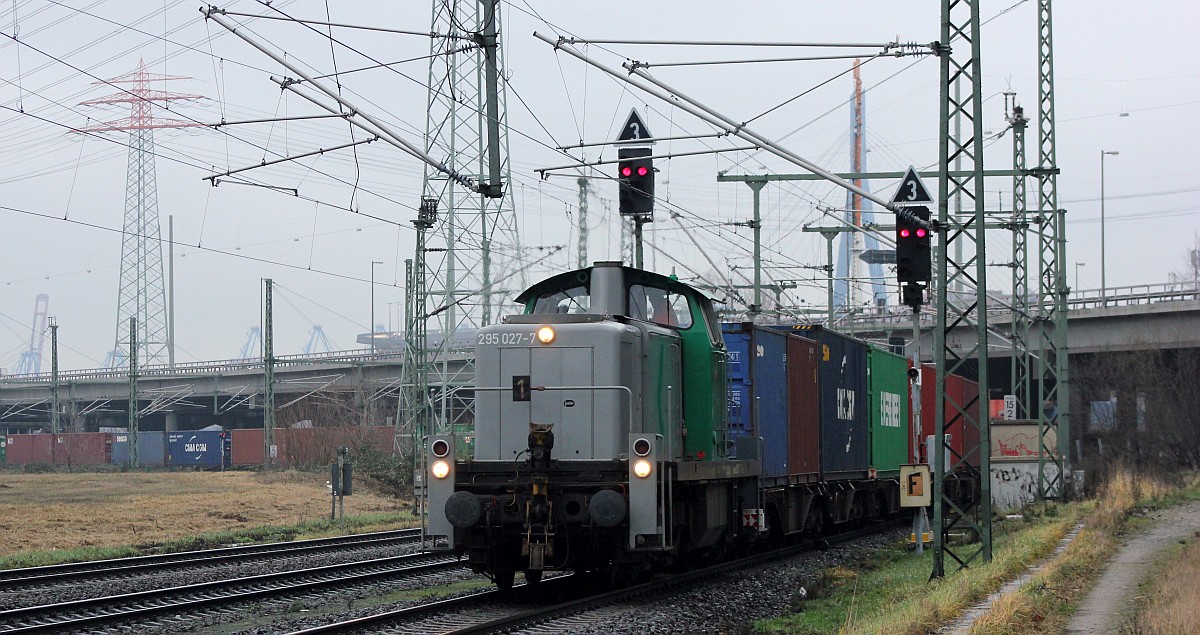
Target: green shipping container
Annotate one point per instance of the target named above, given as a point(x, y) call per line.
point(887, 387)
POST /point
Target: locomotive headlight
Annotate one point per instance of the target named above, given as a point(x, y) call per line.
point(641, 468)
point(440, 469)
point(545, 334)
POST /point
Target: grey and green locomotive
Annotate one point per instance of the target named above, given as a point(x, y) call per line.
point(599, 434)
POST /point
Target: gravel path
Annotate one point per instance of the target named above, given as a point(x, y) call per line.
point(1102, 610)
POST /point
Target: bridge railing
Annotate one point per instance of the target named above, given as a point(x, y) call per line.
point(354, 356)
point(1132, 295)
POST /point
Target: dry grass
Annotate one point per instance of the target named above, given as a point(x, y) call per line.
point(43, 512)
point(1043, 604)
point(1174, 605)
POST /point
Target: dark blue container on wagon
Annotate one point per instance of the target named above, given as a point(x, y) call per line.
point(152, 448)
point(842, 363)
point(198, 448)
point(758, 398)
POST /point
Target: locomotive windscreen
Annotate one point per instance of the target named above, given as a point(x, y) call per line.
point(573, 300)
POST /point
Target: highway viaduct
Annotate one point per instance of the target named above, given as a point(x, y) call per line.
point(365, 387)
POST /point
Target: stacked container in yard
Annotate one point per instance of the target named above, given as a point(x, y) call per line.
point(29, 449)
point(964, 439)
point(804, 410)
point(249, 448)
point(887, 385)
point(198, 448)
point(308, 446)
point(842, 362)
point(83, 448)
point(758, 393)
point(151, 446)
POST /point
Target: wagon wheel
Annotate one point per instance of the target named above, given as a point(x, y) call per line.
point(504, 579)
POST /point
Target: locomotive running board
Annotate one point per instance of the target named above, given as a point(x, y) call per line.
point(707, 470)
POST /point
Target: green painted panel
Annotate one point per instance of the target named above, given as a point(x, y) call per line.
point(887, 387)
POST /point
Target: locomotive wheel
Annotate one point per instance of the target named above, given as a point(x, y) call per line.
point(533, 576)
point(504, 579)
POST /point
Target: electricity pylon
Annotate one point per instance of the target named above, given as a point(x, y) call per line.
point(142, 294)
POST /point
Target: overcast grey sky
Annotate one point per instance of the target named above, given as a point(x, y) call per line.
point(1126, 80)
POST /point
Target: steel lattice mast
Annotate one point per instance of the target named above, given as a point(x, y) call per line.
point(470, 261)
point(142, 294)
point(1053, 409)
point(1019, 224)
point(960, 62)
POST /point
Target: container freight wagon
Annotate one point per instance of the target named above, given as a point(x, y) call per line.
point(804, 410)
point(888, 390)
point(842, 370)
point(758, 406)
point(964, 439)
point(198, 448)
point(151, 447)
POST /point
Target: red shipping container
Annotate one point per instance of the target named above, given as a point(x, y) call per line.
point(248, 447)
point(963, 392)
point(28, 449)
point(804, 410)
point(318, 446)
point(308, 446)
point(83, 449)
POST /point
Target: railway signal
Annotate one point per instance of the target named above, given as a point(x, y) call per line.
point(635, 176)
point(913, 245)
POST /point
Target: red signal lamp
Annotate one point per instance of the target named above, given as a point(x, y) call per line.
point(642, 170)
point(921, 232)
point(904, 233)
point(626, 171)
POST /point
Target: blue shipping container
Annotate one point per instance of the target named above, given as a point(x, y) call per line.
point(758, 396)
point(737, 347)
point(197, 448)
point(152, 448)
point(842, 360)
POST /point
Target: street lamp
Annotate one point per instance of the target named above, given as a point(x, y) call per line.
point(372, 329)
point(1103, 282)
point(1077, 266)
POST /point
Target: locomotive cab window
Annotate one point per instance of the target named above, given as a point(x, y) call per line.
point(658, 305)
point(572, 300)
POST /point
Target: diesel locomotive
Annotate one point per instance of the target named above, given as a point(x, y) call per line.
point(603, 438)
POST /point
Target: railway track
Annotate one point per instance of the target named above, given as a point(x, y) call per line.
point(526, 610)
point(197, 601)
point(74, 572)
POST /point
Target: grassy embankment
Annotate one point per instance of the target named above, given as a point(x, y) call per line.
point(1171, 601)
point(52, 518)
point(892, 594)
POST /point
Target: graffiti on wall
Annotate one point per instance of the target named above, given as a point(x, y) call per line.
point(1015, 484)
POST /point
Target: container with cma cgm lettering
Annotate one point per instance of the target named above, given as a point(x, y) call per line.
point(198, 448)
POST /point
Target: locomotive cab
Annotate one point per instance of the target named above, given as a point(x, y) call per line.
point(600, 411)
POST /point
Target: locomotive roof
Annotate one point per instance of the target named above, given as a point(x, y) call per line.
point(630, 275)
